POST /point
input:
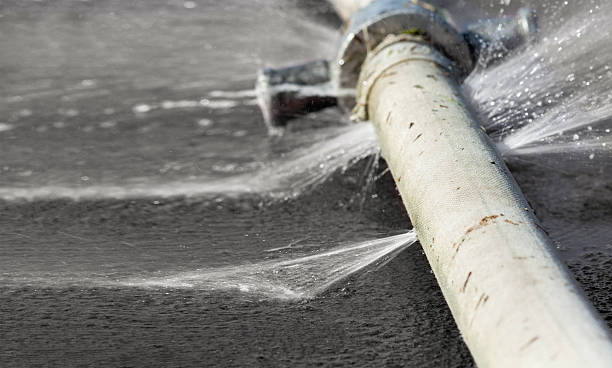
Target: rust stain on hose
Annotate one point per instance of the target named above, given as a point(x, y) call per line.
point(485, 221)
point(467, 279)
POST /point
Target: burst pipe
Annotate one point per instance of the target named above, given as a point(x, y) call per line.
point(512, 298)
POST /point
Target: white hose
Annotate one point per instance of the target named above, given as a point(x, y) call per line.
point(512, 298)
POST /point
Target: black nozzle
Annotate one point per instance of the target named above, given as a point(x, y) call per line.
point(297, 90)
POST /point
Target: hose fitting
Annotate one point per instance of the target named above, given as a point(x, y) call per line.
point(369, 26)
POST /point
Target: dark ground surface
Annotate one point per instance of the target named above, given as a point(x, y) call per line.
point(392, 316)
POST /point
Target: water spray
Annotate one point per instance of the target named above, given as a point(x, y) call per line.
point(399, 66)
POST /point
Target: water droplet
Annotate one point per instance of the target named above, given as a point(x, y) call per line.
point(88, 82)
point(108, 124)
point(205, 123)
point(5, 127)
point(24, 113)
point(69, 112)
point(141, 108)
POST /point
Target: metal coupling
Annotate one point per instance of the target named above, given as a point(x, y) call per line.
point(369, 26)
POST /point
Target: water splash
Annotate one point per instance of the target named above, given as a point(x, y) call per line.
point(553, 97)
point(211, 104)
point(297, 278)
point(282, 177)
